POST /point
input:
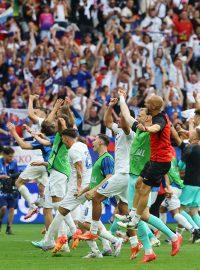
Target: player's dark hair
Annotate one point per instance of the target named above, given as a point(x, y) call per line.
point(67, 120)
point(48, 128)
point(82, 139)
point(70, 132)
point(8, 151)
point(104, 138)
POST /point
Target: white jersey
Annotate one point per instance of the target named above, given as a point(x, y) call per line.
point(37, 154)
point(79, 152)
point(122, 149)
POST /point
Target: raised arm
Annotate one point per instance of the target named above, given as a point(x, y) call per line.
point(108, 119)
point(124, 108)
point(20, 141)
point(180, 96)
point(31, 114)
point(57, 106)
point(44, 142)
point(89, 104)
point(197, 103)
point(152, 129)
point(70, 115)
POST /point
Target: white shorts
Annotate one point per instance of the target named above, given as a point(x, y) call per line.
point(47, 197)
point(70, 202)
point(57, 184)
point(37, 173)
point(173, 202)
point(116, 185)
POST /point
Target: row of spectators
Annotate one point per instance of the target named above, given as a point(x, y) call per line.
point(85, 49)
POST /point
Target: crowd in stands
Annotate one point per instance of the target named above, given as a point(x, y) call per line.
point(85, 49)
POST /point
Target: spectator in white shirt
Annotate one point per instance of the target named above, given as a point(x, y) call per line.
point(152, 24)
point(192, 85)
point(127, 15)
point(87, 43)
point(194, 46)
point(177, 77)
point(111, 12)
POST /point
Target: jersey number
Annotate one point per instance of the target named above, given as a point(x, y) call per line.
point(88, 160)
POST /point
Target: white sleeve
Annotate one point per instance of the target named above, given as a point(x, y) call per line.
point(106, 11)
point(115, 128)
point(40, 121)
point(131, 135)
point(75, 155)
point(145, 22)
point(190, 42)
point(124, 13)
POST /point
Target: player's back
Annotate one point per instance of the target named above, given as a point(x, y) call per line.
point(122, 149)
point(79, 152)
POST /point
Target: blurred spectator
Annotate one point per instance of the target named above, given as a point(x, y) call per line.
point(152, 23)
point(85, 49)
point(111, 13)
point(45, 22)
point(183, 27)
point(61, 12)
point(93, 117)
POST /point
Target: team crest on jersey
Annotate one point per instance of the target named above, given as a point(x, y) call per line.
point(140, 152)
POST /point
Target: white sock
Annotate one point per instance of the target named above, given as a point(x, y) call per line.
point(163, 217)
point(174, 237)
point(26, 195)
point(107, 235)
point(62, 229)
point(148, 251)
point(69, 221)
point(93, 246)
point(53, 228)
point(132, 212)
point(136, 218)
point(94, 226)
point(133, 240)
point(105, 243)
point(183, 221)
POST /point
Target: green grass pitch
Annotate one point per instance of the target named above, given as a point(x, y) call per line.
point(17, 253)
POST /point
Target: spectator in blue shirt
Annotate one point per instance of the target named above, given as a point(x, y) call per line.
point(77, 78)
point(158, 71)
point(102, 96)
point(174, 107)
point(85, 73)
point(8, 191)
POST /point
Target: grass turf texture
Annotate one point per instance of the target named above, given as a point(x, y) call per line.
point(17, 253)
